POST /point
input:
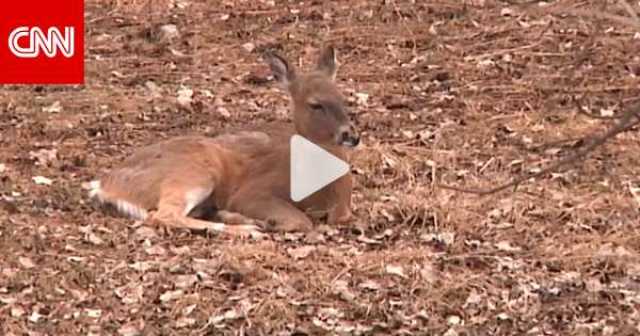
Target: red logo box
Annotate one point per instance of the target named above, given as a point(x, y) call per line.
point(42, 42)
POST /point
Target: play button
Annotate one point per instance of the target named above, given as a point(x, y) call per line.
point(312, 168)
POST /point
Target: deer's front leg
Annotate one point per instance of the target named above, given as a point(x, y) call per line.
point(283, 215)
point(341, 212)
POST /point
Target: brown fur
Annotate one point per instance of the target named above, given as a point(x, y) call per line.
point(245, 175)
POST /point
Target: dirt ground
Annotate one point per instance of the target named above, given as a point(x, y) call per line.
point(464, 93)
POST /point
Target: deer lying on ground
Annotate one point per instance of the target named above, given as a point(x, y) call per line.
point(243, 176)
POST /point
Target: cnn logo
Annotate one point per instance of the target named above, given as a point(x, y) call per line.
point(48, 44)
point(42, 42)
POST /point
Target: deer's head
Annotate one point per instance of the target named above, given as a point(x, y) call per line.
point(319, 111)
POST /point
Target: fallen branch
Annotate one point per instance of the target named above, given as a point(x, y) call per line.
point(627, 121)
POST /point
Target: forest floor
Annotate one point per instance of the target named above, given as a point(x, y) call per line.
point(465, 93)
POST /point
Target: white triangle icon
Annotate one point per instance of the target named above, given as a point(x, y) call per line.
point(312, 168)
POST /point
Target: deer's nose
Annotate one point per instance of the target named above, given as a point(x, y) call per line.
point(348, 137)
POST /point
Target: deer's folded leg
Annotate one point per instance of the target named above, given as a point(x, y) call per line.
point(179, 198)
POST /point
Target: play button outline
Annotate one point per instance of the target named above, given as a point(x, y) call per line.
point(312, 168)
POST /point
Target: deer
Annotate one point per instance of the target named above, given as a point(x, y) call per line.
point(243, 177)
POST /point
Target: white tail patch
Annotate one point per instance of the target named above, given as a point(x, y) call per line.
point(95, 189)
point(194, 197)
point(130, 210)
point(125, 208)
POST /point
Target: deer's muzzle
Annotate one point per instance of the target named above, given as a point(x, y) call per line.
point(348, 137)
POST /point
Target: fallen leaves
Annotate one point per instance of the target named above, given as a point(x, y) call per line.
point(44, 157)
point(26, 262)
point(56, 107)
point(35, 317)
point(41, 180)
point(229, 315)
point(342, 290)
point(185, 97)
point(185, 281)
point(93, 313)
point(507, 247)
point(156, 250)
point(17, 311)
point(169, 32)
point(171, 295)
point(133, 328)
point(301, 252)
point(395, 270)
point(153, 89)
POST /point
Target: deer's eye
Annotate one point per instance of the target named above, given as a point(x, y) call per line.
point(316, 107)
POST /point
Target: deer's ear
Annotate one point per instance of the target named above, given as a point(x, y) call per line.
point(282, 71)
point(327, 62)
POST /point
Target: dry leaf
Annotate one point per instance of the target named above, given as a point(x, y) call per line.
point(169, 32)
point(26, 262)
point(41, 180)
point(473, 299)
point(395, 270)
point(223, 112)
point(341, 288)
point(249, 47)
point(94, 313)
point(44, 156)
point(93, 239)
point(370, 285)
point(507, 247)
point(454, 320)
point(428, 273)
point(635, 192)
point(506, 12)
point(156, 250)
point(300, 252)
point(230, 314)
point(503, 316)
point(56, 107)
point(143, 266)
point(17, 311)
point(131, 329)
point(153, 88)
point(363, 239)
point(182, 250)
point(189, 309)
point(451, 332)
point(185, 322)
point(185, 96)
point(610, 112)
point(171, 295)
point(8, 300)
point(185, 281)
point(35, 317)
point(445, 238)
point(361, 98)
point(130, 293)
point(118, 74)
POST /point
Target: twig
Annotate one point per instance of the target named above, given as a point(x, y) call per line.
point(555, 143)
